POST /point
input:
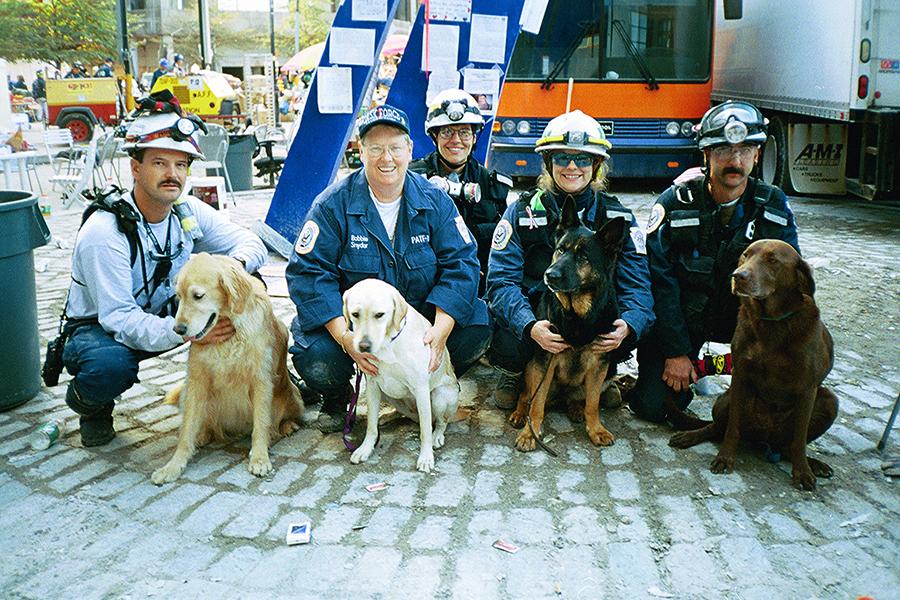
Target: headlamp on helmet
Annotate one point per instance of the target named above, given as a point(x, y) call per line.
point(735, 132)
point(731, 123)
point(453, 107)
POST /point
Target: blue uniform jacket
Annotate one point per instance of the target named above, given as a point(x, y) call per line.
point(343, 241)
point(762, 212)
point(509, 287)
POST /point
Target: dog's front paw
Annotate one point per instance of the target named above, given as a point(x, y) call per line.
point(575, 412)
point(260, 465)
point(722, 464)
point(361, 454)
point(437, 440)
point(601, 436)
point(525, 442)
point(803, 479)
point(167, 474)
point(517, 418)
point(819, 468)
point(426, 460)
point(288, 427)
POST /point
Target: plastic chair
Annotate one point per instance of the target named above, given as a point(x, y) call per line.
point(79, 177)
point(107, 153)
point(214, 146)
point(61, 150)
point(269, 165)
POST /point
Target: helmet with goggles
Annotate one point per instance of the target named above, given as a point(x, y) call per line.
point(731, 123)
point(453, 107)
point(574, 131)
point(166, 130)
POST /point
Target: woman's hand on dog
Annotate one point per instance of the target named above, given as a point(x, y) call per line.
point(546, 337)
point(679, 373)
point(222, 331)
point(607, 342)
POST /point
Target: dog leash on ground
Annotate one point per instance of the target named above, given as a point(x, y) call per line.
point(537, 438)
point(350, 417)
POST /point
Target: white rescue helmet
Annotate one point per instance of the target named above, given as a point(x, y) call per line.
point(731, 123)
point(168, 131)
point(574, 131)
point(453, 107)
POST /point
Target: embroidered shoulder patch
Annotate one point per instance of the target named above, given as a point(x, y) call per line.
point(656, 218)
point(639, 239)
point(502, 233)
point(306, 241)
point(463, 229)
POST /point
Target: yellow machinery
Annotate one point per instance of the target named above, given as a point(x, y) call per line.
point(206, 93)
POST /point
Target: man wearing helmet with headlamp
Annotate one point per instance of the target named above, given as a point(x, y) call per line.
point(575, 151)
point(453, 124)
point(121, 303)
point(695, 235)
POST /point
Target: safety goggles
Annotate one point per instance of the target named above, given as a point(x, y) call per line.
point(581, 160)
point(725, 152)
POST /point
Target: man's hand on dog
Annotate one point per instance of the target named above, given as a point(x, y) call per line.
point(544, 333)
point(607, 342)
point(223, 331)
point(436, 338)
point(679, 373)
point(366, 361)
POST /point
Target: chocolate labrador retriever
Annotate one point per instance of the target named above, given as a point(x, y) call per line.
point(782, 352)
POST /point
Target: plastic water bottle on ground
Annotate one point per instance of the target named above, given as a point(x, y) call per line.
point(47, 434)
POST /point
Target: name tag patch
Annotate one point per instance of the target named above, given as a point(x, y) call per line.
point(685, 222)
point(532, 221)
point(359, 242)
point(770, 216)
point(420, 239)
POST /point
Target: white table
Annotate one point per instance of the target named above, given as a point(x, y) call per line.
point(21, 160)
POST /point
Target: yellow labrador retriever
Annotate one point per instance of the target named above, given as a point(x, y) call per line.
point(385, 325)
point(238, 386)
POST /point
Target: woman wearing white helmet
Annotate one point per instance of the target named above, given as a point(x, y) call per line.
point(453, 123)
point(575, 152)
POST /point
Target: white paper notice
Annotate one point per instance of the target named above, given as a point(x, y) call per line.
point(438, 81)
point(335, 89)
point(487, 41)
point(481, 81)
point(450, 10)
point(443, 48)
point(533, 15)
point(369, 10)
point(351, 46)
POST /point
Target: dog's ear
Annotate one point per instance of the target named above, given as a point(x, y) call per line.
point(611, 236)
point(569, 219)
point(400, 308)
point(344, 298)
point(805, 283)
point(236, 287)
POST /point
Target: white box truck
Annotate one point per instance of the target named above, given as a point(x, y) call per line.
point(827, 75)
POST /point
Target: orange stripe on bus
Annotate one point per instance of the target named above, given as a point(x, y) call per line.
point(606, 100)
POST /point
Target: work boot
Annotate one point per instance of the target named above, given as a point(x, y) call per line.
point(506, 394)
point(334, 410)
point(310, 397)
point(96, 423)
point(611, 397)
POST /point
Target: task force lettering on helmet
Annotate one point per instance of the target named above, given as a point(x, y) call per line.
point(731, 123)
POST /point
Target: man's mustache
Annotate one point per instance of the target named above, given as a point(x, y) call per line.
point(730, 170)
point(170, 181)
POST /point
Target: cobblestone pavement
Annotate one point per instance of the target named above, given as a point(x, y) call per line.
point(635, 520)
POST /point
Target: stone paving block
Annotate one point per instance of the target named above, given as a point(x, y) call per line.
point(618, 454)
point(11, 428)
point(623, 485)
point(851, 439)
point(495, 455)
point(239, 476)
point(632, 569)
point(66, 459)
point(729, 516)
point(681, 519)
point(213, 512)
point(402, 488)
point(566, 482)
point(484, 492)
point(384, 526)
point(357, 493)
point(724, 483)
point(581, 456)
point(255, 517)
point(157, 413)
point(235, 564)
point(125, 439)
point(739, 553)
point(297, 444)
point(335, 524)
point(286, 475)
point(693, 572)
point(448, 460)
point(166, 508)
point(477, 572)
point(490, 423)
point(783, 527)
point(46, 583)
point(167, 425)
point(11, 491)
point(136, 496)
point(189, 558)
point(146, 554)
point(115, 540)
point(577, 574)
point(324, 570)
point(322, 479)
point(432, 534)
point(81, 476)
point(447, 490)
point(375, 570)
point(529, 525)
point(419, 578)
point(528, 574)
point(155, 453)
point(208, 461)
point(11, 446)
point(278, 531)
point(582, 526)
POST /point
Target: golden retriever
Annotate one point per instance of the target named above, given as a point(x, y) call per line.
point(386, 326)
point(238, 386)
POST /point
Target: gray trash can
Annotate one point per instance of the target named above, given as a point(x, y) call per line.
point(23, 229)
point(239, 161)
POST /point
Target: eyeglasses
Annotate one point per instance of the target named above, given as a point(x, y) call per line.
point(580, 160)
point(726, 152)
point(464, 135)
point(394, 150)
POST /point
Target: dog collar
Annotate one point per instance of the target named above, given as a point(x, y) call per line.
point(399, 331)
point(781, 318)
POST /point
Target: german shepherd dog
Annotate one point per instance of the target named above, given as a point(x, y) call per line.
point(581, 304)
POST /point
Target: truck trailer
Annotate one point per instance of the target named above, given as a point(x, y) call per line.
point(826, 73)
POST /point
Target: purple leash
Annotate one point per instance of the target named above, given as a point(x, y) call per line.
point(350, 417)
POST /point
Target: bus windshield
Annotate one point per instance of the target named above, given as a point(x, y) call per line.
point(606, 40)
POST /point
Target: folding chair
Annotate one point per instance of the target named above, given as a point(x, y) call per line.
point(61, 150)
point(80, 176)
point(107, 150)
point(214, 146)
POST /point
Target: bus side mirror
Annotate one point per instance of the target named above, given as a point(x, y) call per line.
point(734, 9)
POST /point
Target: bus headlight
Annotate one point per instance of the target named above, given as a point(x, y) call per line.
point(672, 128)
point(687, 129)
point(508, 127)
point(523, 127)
